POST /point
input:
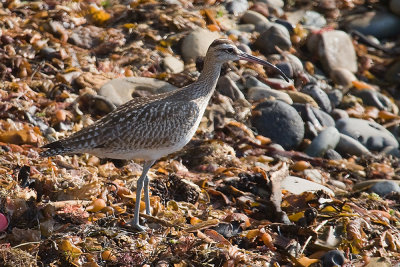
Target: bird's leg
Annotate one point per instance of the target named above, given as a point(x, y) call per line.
point(146, 192)
point(139, 187)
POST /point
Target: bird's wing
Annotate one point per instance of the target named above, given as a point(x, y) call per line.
point(139, 119)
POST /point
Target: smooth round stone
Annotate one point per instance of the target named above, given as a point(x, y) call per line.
point(286, 68)
point(319, 96)
point(343, 77)
point(196, 43)
point(373, 98)
point(332, 154)
point(246, 27)
point(349, 146)
point(301, 98)
point(251, 81)
point(327, 139)
point(228, 87)
point(377, 23)
point(260, 92)
point(260, 22)
point(297, 185)
point(312, 19)
point(371, 134)
point(390, 150)
point(275, 35)
point(333, 258)
point(323, 118)
point(335, 96)
point(296, 63)
point(384, 188)
point(236, 6)
point(245, 48)
point(173, 65)
point(336, 50)
point(338, 114)
point(119, 91)
point(394, 6)
point(280, 122)
point(274, 3)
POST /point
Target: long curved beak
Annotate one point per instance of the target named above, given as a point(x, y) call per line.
point(254, 59)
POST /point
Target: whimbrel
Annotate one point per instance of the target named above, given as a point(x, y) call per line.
point(151, 127)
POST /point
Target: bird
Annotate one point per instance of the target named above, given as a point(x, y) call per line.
point(148, 128)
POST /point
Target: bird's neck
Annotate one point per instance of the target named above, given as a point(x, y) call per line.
point(208, 78)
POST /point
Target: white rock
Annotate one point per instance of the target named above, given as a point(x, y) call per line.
point(260, 92)
point(297, 185)
point(173, 64)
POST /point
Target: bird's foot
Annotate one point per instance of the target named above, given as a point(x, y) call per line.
point(137, 226)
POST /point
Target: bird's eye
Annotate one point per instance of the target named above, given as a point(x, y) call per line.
point(230, 50)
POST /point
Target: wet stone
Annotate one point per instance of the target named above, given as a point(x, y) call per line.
point(327, 139)
point(319, 96)
point(385, 187)
point(371, 134)
point(280, 122)
point(276, 35)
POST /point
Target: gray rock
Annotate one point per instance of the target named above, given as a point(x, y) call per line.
point(314, 20)
point(380, 24)
point(373, 98)
point(319, 96)
point(236, 7)
point(275, 35)
point(280, 122)
point(196, 43)
point(260, 92)
point(260, 22)
point(327, 139)
point(349, 146)
point(385, 187)
point(246, 27)
point(394, 6)
point(333, 258)
point(228, 87)
point(390, 150)
point(332, 154)
point(371, 134)
point(297, 185)
point(251, 81)
point(336, 97)
point(336, 50)
point(286, 68)
point(173, 64)
point(338, 114)
point(343, 77)
point(312, 113)
point(120, 90)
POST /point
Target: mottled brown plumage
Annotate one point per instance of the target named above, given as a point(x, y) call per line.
point(150, 127)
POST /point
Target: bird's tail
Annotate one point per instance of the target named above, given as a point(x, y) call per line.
point(54, 148)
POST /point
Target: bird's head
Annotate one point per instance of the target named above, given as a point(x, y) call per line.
point(223, 50)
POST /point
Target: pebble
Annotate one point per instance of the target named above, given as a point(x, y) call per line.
point(385, 187)
point(196, 43)
point(371, 134)
point(338, 184)
point(311, 114)
point(120, 90)
point(380, 24)
point(390, 150)
point(280, 122)
point(275, 35)
point(343, 77)
point(336, 50)
point(373, 98)
point(246, 28)
point(260, 92)
point(228, 87)
point(260, 22)
point(394, 6)
point(297, 185)
point(318, 95)
point(253, 82)
point(327, 139)
point(313, 175)
point(236, 7)
point(333, 258)
point(349, 146)
point(313, 20)
point(301, 98)
point(339, 114)
point(173, 65)
point(274, 3)
point(335, 96)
